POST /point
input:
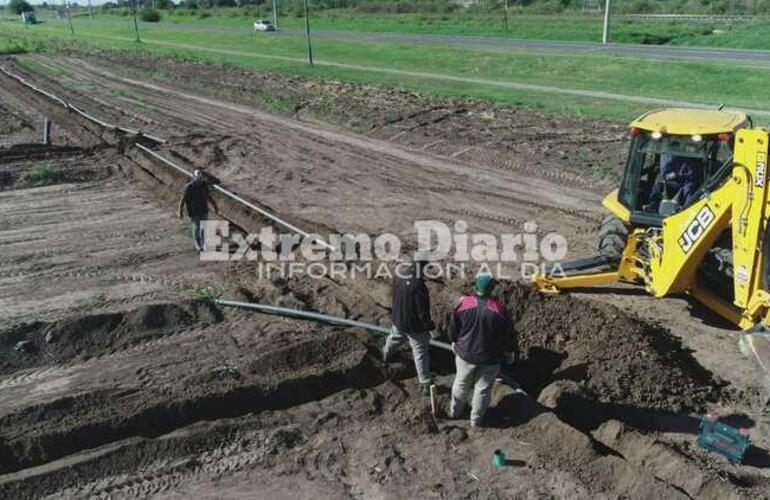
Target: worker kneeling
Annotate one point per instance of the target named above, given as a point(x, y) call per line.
point(482, 337)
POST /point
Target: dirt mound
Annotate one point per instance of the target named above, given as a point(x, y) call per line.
point(43, 343)
point(527, 140)
point(616, 357)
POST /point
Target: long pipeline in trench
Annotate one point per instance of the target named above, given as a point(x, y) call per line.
point(72, 108)
point(313, 316)
point(506, 378)
point(291, 227)
point(297, 313)
point(141, 136)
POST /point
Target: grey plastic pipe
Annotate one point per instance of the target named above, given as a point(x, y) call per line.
point(230, 194)
point(70, 107)
point(323, 318)
point(155, 155)
point(336, 320)
point(158, 140)
point(283, 311)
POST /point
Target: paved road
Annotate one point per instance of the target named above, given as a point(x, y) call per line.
point(736, 56)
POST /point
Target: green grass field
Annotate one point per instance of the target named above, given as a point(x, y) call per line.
point(485, 72)
point(568, 27)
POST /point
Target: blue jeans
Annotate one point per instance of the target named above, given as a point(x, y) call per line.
point(197, 231)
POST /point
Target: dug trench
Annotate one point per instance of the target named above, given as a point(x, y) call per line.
point(137, 402)
point(143, 379)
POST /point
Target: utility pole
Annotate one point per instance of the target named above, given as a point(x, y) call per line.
point(69, 19)
point(606, 31)
point(136, 24)
point(90, 13)
point(307, 34)
point(506, 15)
point(275, 14)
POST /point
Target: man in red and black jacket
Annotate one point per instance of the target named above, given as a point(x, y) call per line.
point(482, 337)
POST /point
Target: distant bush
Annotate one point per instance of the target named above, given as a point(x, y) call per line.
point(546, 7)
point(149, 15)
point(534, 6)
point(204, 15)
point(407, 6)
point(19, 6)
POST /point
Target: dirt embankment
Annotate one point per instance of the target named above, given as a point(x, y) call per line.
point(615, 357)
point(573, 150)
point(82, 337)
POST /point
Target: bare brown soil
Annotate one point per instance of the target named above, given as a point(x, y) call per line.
point(572, 150)
point(115, 382)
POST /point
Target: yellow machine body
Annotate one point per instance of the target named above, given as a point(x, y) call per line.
point(666, 259)
point(673, 252)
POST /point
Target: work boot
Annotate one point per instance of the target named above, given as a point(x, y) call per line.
point(476, 430)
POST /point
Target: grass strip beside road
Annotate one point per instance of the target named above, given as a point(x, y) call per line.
point(593, 85)
point(573, 26)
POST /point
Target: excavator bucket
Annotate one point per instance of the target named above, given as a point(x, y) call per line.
point(755, 342)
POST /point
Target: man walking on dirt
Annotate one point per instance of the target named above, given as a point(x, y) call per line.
point(412, 320)
point(482, 337)
point(196, 198)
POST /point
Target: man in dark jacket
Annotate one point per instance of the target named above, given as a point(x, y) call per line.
point(412, 320)
point(196, 198)
point(482, 337)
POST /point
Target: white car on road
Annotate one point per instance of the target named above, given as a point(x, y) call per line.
point(263, 25)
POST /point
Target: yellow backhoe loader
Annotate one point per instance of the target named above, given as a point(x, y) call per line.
point(690, 216)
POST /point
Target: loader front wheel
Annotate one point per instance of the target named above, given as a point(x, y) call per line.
point(613, 236)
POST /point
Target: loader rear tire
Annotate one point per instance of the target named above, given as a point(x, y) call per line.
point(613, 236)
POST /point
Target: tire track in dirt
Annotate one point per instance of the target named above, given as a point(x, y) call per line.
point(242, 123)
point(34, 376)
point(239, 118)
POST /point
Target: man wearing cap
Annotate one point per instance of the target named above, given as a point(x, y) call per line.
point(482, 337)
point(411, 318)
point(196, 198)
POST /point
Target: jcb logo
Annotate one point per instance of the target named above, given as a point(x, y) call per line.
point(760, 181)
point(696, 228)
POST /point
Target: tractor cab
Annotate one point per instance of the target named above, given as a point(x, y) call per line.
point(676, 155)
